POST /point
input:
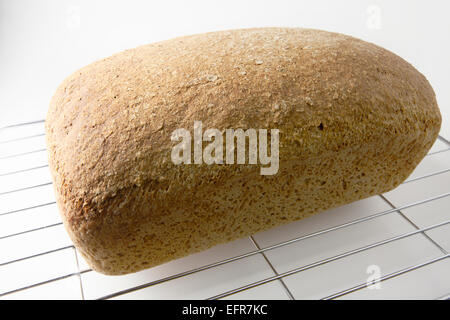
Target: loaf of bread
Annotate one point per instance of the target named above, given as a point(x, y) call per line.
point(352, 120)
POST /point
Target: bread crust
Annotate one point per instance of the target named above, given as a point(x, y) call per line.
point(354, 121)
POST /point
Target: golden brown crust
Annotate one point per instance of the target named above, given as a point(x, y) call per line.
point(354, 121)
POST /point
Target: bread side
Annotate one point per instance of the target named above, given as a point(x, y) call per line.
point(354, 121)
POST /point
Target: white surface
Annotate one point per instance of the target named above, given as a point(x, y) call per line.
point(42, 42)
point(42, 264)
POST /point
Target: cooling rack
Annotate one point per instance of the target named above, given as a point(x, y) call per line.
point(394, 245)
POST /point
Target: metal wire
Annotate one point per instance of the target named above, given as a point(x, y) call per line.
point(386, 277)
point(258, 251)
point(35, 255)
point(26, 188)
point(44, 282)
point(27, 208)
point(444, 297)
point(22, 124)
point(30, 230)
point(427, 175)
point(414, 225)
point(284, 243)
point(23, 170)
point(324, 261)
point(23, 138)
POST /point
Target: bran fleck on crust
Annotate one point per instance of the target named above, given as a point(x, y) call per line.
point(354, 121)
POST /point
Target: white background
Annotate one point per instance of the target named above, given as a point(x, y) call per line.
point(42, 42)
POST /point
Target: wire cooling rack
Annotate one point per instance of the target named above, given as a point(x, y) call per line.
point(37, 259)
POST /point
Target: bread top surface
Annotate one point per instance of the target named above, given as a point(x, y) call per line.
point(109, 124)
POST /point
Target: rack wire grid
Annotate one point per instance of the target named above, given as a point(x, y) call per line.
point(394, 245)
